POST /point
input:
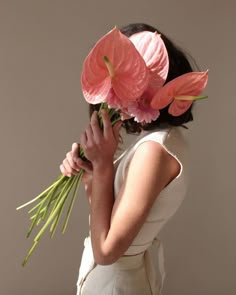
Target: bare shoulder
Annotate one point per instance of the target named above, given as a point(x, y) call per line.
point(156, 161)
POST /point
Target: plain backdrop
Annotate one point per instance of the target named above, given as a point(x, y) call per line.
point(42, 112)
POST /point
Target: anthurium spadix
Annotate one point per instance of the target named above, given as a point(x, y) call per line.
point(181, 92)
point(114, 64)
point(153, 50)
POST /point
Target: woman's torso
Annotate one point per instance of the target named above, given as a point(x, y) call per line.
point(173, 139)
point(133, 266)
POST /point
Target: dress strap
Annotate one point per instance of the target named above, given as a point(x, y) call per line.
point(151, 273)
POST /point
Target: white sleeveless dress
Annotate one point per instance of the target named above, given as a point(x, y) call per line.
point(136, 274)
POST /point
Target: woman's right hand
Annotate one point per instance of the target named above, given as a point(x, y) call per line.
point(72, 164)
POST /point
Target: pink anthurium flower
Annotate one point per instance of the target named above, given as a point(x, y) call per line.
point(114, 63)
point(180, 92)
point(152, 48)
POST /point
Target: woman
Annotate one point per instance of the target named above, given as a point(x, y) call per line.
point(132, 198)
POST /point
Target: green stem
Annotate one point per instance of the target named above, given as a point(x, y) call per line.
point(54, 196)
point(51, 192)
point(60, 210)
point(36, 217)
point(40, 195)
point(55, 210)
point(29, 253)
point(80, 175)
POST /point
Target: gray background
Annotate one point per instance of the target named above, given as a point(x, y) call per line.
point(42, 47)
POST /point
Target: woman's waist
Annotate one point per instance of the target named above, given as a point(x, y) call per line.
point(126, 262)
point(136, 249)
point(132, 258)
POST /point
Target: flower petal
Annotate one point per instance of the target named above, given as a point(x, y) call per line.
point(141, 109)
point(141, 114)
point(114, 101)
point(162, 98)
point(152, 48)
point(178, 107)
point(130, 71)
point(189, 84)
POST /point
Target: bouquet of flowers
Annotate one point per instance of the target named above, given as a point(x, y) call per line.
point(123, 75)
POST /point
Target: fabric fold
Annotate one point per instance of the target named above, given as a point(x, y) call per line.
point(87, 264)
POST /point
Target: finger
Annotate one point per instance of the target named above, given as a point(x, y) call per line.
point(87, 166)
point(75, 154)
point(116, 130)
point(89, 134)
point(97, 133)
point(63, 171)
point(68, 168)
point(83, 140)
point(72, 161)
point(75, 150)
point(106, 124)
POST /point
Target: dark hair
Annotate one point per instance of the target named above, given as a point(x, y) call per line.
point(178, 65)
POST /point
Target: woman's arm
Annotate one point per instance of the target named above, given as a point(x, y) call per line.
point(114, 225)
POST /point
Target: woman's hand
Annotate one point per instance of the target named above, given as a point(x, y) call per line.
point(72, 164)
point(100, 146)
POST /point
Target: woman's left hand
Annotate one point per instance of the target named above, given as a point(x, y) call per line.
point(100, 146)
